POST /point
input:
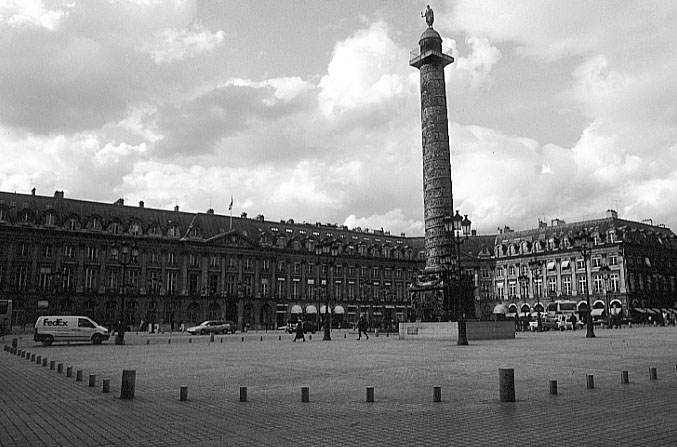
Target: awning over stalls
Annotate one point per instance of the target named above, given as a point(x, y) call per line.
point(339, 310)
point(500, 309)
point(597, 312)
point(296, 309)
point(311, 309)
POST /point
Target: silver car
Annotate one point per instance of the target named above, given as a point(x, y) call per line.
point(211, 326)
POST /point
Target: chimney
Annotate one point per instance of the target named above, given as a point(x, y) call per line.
point(141, 203)
point(58, 194)
point(612, 214)
point(243, 215)
point(176, 208)
point(33, 191)
point(119, 202)
point(473, 232)
point(210, 211)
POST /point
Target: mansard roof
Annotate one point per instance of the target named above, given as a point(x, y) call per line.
point(191, 226)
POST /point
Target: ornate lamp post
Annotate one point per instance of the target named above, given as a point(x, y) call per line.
point(536, 276)
point(606, 271)
point(583, 241)
point(458, 226)
point(125, 254)
point(524, 286)
point(329, 251)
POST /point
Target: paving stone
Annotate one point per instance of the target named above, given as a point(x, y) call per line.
point(39, 408)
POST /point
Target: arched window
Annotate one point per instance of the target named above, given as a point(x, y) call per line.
point(94, 223)
point(173, 231)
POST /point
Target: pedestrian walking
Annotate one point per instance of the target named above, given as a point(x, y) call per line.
point(299, 332)
point(362, 328)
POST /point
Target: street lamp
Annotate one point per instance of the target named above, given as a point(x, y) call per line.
point(125, 255)
point(524, 286)
point(583, 242)
point(329, 251)
point(605, 271)
point(536, 276)
point(458, 226)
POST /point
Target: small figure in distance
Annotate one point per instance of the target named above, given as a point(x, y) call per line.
point(362, 328)
point(299, 332)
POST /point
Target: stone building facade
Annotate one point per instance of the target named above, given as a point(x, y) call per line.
point(66, 256)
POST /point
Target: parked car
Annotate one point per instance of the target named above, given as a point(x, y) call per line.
point(212, 326)
point(546, 324)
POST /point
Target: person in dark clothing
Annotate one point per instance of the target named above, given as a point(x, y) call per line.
point(362, 328)
point(299, 332)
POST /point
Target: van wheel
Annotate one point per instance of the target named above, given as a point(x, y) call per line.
point(96, 339)
point(47, 341)
point(203, 332)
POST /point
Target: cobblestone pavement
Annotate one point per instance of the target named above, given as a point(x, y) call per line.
point(40, 406)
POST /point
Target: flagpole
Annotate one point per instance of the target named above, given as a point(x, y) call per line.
point(230, 208)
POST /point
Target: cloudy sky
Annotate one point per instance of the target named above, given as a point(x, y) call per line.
point(309, 109)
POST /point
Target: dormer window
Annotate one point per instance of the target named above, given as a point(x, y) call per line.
point(72, 224)
point(612, 236)
point(50, 219)
point(115, 228)
point(135, 229)
point(155, 230)
point(173, 231)
point(94, 224)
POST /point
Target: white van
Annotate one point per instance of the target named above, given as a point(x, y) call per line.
point(49, 329)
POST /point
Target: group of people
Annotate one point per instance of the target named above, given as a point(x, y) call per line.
point(299, 333)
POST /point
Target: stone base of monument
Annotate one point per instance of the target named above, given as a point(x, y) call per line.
point(476, 330)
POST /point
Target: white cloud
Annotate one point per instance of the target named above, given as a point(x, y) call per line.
point(473, 71)
point(176, 44)
point(365, 69)
point(31, 13)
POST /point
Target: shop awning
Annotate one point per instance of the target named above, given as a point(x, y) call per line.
point(500, 309)
point(296, 309)
point(311, 309)
point(597, 312)
point(339, 310)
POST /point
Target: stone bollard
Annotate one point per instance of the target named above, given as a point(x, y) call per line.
point(147, 341)
point(310, 337)
point(242, 339)
point(183, 393)
point(553, 387)
point(59, 368)
point(92, 380)
point(305, 394)
point(345, 335)
point(128, 384)
point(262, 338)
point(221, 340)
point(624, 377)
point(437, 394)
point(506, 384)
point(78, 375)
point(211, 337)
point(279, 338)
point(653, 374)
point(190, 340)
point(69, 371)
point(243, 394)
point(52, 364)
point(169, 341)
point(106, 386)
point(370, 394)
point(590, 381)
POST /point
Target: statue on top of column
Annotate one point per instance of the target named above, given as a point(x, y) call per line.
point(429, 16)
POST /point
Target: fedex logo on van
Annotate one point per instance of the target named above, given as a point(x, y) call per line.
point(57, 322)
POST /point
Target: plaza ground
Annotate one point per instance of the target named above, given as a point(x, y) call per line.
point(39, 406)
